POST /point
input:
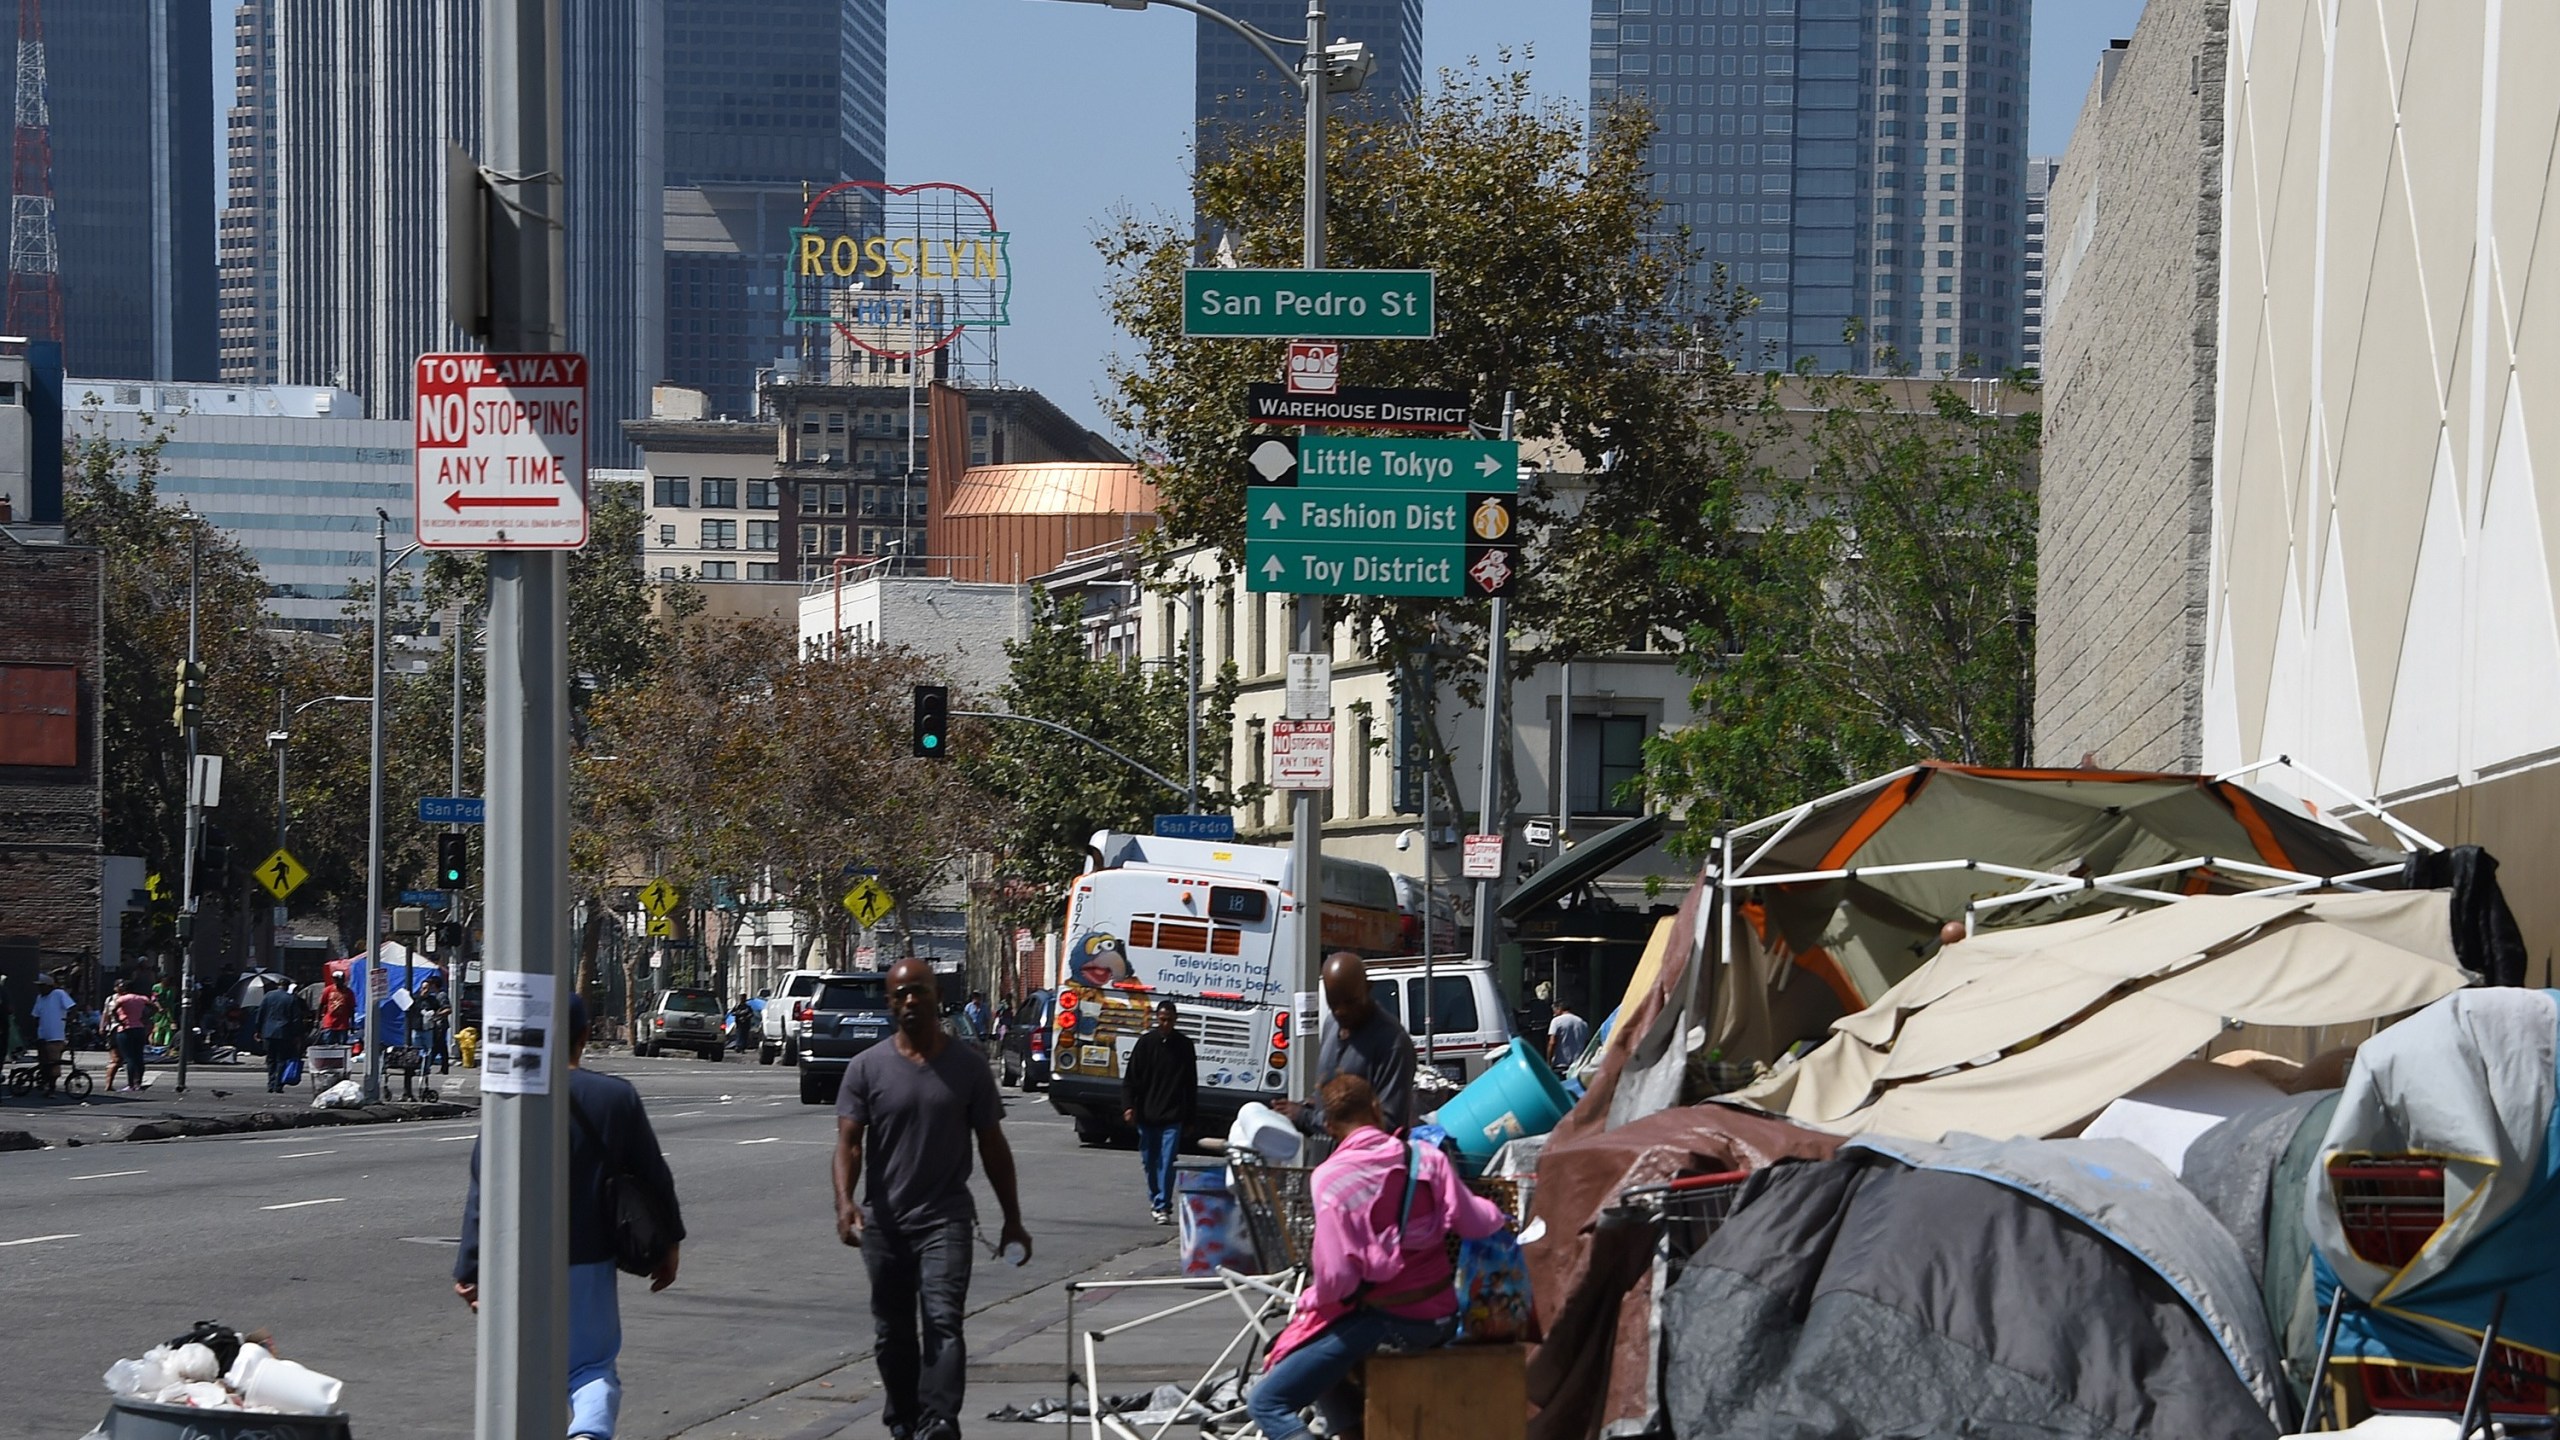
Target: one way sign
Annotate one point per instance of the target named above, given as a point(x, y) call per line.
point(502, 452)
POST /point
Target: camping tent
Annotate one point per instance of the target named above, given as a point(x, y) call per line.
point(402, 970)
point(2026, 1032)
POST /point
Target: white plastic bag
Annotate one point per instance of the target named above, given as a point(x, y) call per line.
point(343, 1095)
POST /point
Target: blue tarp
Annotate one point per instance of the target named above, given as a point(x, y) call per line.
point(400, 970)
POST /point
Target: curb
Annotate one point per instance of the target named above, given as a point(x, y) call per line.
point(390, 1113)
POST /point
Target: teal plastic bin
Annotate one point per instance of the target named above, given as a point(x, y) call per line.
point(1517, 1096)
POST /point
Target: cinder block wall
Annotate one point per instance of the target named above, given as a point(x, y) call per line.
point(2132, 293)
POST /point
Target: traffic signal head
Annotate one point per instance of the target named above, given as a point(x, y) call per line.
point(213, 852)
point(933, 721)
point(453, 851)
point(189, 705)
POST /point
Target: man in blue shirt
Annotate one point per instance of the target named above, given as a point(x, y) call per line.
point(609, 1133)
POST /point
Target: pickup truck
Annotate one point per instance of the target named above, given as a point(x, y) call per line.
point(847, 1014)
point(786, 1015)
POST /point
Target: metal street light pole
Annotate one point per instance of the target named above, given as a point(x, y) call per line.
point(375, 934)
point(193, 829)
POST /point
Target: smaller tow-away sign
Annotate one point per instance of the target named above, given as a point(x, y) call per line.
point(502, 452)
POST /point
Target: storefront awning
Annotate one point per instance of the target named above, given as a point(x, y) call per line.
point(1583, 864)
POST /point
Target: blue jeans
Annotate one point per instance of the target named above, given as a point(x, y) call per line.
point(595, 1339)
point(1318, 1373)
point(1157, 1145)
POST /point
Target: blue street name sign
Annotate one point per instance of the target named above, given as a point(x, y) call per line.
point(453, 809)
point(1196, 827)
point(431, 899)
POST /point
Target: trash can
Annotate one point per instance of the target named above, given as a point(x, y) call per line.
point(145, 1420)
point(1517, 1097)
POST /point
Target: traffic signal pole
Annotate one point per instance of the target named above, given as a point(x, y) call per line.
point(523, 1387)
point(194, 822)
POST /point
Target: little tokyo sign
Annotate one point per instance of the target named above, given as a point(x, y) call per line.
point(1383, 517)
point(502, 452)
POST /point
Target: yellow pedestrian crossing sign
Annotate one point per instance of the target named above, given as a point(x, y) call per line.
point(659, 898)
point(281, 873)
point(869, 901)
point(661, 925)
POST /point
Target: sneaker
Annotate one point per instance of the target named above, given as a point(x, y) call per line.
point(1164, 1217)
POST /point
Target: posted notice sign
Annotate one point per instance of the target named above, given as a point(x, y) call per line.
point(502, 452)
point(1301, 754)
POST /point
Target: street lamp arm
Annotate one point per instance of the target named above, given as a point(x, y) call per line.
point(325, 699)
point(1255, 36)
point(1073, 733)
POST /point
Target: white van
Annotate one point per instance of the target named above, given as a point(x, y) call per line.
point(1468, 1022)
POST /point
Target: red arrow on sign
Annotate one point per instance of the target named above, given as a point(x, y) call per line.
point(455, 501)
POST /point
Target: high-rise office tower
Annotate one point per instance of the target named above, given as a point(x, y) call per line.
point(1859, 165)
point(344, 137)
point(129, 87)
point(2040, 172)
point(1236, 87)
point(760, 102)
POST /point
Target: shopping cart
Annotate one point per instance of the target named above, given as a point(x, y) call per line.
point(1687, 1211)
point(1277, 1211)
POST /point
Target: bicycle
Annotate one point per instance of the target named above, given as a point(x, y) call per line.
point(28, 1079)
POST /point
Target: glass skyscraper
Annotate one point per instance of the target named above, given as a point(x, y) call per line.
point(1858, 165)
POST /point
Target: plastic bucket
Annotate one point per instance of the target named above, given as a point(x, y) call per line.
point(1517, 1096)
point(144, 1420)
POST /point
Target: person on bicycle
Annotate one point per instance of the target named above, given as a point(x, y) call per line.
point(52, 1013)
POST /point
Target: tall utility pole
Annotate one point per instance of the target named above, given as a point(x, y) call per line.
point(35, 256)
point(374, 988)
point(1497, 689)
point(194, 825)
point(524, 1139)
point(1306, 844)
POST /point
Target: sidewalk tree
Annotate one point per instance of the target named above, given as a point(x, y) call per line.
point(1557, 282)
point(1881, 607)
point(1057, 790)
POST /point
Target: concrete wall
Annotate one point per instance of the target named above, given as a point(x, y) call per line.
point(2132, 274)
point(964, 626)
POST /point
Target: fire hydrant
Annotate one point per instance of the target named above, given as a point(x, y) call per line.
point(467, 1041)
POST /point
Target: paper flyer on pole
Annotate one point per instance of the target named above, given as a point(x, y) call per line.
point(518, 1009)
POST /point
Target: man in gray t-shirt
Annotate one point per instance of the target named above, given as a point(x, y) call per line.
point(905, 1115)
point(1359, 1038)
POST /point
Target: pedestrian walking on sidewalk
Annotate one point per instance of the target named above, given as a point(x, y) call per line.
point(434, 1014)
point(1160, 1094)
point(52, 1013)
point(1567, 1035)
point(905, 1115)
point(609, 1137)
point(283, 1019)
point(128, 1022)
point(1379, 1275)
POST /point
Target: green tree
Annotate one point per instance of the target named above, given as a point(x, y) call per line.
point(1879, 609)
point(1557, 284)
point(1058, 790)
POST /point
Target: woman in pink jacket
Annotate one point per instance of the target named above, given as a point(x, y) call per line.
point(1380, 1277)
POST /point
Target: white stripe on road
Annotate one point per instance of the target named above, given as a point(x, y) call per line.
point(108, 1174)
point(307, 1154)
point(768, 1140)
point(298, 1204)
point(679, 1115)
point(441, 1139)
point(39, 1239)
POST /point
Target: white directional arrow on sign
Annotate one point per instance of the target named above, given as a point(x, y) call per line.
point(1488, 467)
point(1272, 569)
point(1273, 515)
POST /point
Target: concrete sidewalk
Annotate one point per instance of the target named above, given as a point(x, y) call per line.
point(1020, 1353)
point(220, 1100)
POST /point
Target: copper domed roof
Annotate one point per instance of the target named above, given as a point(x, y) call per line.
point(1052, 487)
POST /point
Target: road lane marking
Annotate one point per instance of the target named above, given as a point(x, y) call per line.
point(430, 1240)
point(307, 1154)
point(441, 1139)
point(110, 1174)
point(679, 1115)
point(768, 1140)
point(39, 1239)
point(298, 1204)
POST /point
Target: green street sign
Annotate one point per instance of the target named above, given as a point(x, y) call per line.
point(1223, 304)
point(1349, 462)
point(1275, 512)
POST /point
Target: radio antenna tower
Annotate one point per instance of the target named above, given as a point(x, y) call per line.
point(35, 260)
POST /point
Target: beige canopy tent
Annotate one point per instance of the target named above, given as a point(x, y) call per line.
point(2031, 1031)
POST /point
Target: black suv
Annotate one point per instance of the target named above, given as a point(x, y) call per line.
point(1026, 1041)
point(848, 1014)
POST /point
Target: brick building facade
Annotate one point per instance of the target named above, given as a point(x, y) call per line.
point(51, 745)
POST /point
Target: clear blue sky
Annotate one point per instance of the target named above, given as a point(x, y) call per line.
point(1072, 113)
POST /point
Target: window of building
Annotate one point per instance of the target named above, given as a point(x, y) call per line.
point(719, 569)
point(1261, 636)
point(1362, 763)
point(764, 534)
point(763, 495)
point(1608, 751)
point(666, 534)
point(719, 494)
point(719, 534)
point(835, 540)
point(763, 570)
point(665, 573)
point(835, 499)
point(809, 540)
point(671, 492)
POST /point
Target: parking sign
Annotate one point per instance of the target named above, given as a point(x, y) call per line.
point(502, 452)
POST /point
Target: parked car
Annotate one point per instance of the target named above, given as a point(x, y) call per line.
point(1025, 1055)
point(786, 1014)
point(845, 1015)
point(1470, 1023)
point(686, 1019)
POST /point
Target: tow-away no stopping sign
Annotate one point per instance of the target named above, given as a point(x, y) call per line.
point(502, 452)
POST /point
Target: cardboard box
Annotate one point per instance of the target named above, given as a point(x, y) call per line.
point(1463, 1392)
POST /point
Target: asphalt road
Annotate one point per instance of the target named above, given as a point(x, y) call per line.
point(341, 1242)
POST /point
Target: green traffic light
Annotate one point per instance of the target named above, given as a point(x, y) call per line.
point(932, 742)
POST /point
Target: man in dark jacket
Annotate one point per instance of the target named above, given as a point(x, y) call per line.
point(608, 1132)
point(1160, 1093)
point(282, 1019)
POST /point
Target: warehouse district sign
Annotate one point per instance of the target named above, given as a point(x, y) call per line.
point(899, 270)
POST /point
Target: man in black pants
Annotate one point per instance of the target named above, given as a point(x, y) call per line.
point(904, 1117)
point(1160, 1093)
